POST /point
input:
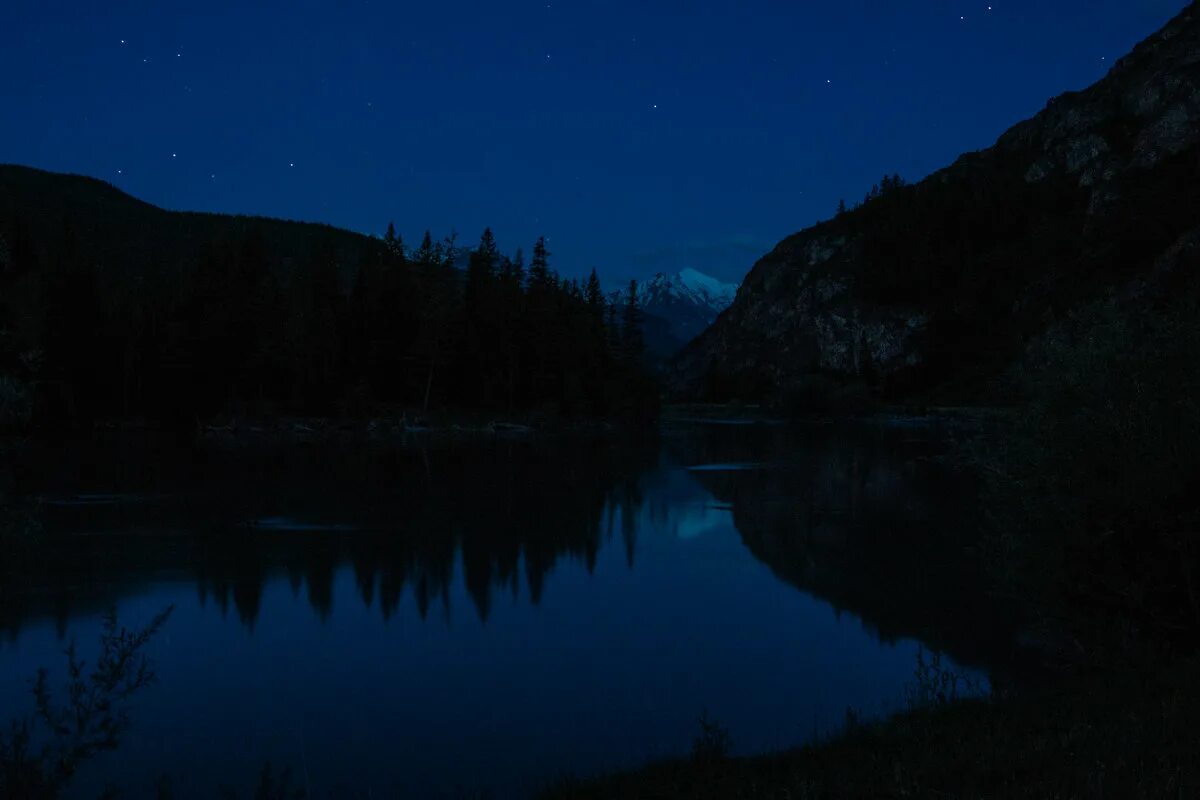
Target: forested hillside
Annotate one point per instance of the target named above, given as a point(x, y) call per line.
point(112, 308)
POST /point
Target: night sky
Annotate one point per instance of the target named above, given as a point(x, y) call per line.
point(637, 136)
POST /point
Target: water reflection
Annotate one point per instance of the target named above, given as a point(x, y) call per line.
point(862, 517)
point(232, 521)
point(870, 519)
point(579, 601)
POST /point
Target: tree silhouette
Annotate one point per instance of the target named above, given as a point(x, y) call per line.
point(632, 341)
point(241, 331)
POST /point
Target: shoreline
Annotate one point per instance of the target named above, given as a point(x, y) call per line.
point(1119, 734)
point(476, 424)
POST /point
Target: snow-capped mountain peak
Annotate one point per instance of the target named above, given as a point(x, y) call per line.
point(716, 292)
point(691, 287)
point(681, 305)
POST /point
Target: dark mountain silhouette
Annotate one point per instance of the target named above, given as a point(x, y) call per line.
point(113, 308)
point(129, 237)
point(936, 288)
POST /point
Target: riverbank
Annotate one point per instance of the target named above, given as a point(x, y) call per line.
point(398, 427)
point(403, 426)
point(1120, 736)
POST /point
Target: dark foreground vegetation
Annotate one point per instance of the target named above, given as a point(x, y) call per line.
point(41, 752)
point(1123, 737)
point(110, 308)
point(1093, 491)
point(88, 714)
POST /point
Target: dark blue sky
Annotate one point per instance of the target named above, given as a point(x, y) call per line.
point(636, 135)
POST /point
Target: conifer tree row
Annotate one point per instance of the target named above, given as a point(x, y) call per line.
point(243, 334)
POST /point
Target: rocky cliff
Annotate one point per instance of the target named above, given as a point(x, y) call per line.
point(936, 287)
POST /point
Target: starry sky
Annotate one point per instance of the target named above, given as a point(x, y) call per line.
point(637, 135)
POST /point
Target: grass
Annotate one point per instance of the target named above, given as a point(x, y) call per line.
point(1127, 736)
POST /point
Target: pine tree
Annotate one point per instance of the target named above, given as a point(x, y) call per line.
point(612, 328)
point(594, 297)
point(393, 243)
point(448, 249)
point(483, 324)
point(438, 313)
point(514, 270)
point(632, 340)
point(481, 270)
point(427, 254)
point(540, 277)
point(486, 257)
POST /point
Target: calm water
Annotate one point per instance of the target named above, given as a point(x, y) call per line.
point(434, 619)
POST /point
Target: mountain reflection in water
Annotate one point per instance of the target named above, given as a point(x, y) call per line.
point(492, 615)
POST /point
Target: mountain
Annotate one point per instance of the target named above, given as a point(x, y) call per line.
point(935, 289)
point(111, 308)
point(128, 238)
point(678, 307)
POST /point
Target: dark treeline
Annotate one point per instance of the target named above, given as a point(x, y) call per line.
point(244, 331)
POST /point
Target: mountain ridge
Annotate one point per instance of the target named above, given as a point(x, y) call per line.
point(936, 288)
point(133, 234)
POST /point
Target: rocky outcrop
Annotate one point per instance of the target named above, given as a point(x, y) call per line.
point(926, 283)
